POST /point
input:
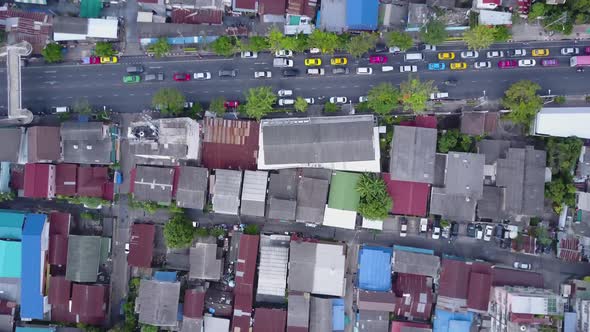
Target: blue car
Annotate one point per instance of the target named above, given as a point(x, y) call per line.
point(436, 66)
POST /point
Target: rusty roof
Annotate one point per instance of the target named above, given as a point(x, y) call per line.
point(141, 245)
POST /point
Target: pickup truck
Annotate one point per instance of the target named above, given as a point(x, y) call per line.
point(282, 62)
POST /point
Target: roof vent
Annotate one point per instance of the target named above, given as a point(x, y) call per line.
point(523, 328)
point(76, 146)
point(88, 147)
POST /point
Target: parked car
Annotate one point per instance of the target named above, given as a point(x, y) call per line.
point(522, 266)
point(527, 63)
point(436, 232)
point(458, 66)
point(408, 69)
point(202, 76)
point(231, 104)
point(109, 59)
point(284, 54)
point(311, 62)
point(549, 62)
point(315, 50)
point(91, 60)
point(377, 59)
point(290, 72)
point(489, 230)
point(469, 54)
point(154, 77)
point(439, 95)
point(482, 65)
point(131, 79)
point(285, 93)
point(503, 64)
point(338, 100)
point(249, 55)
point(126, 248)
point(423, 225)
point(471, 229)
point(478, 232)
point(570, 51)
point(363, 99)
point(495, 54)
point(446, 55)
point(454, 229)
point(228, 72)
point(340, 71)
point(499, 231)
point(386, 68)
point(263, 74)
point(540, 52)
point(364, 71)
point(286, 102)
point(516, 52)
point(315, 71)
point(403, 232)
point(310, 101)
point(446, 232)
point(394, 50)
point(436, 66)
point(181, 77)
point(339, 61)
point(134, 69)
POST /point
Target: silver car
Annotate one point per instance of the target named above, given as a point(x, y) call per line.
point(408, 69)
point(527, 63)
point(469, 54)
point(338, 100)
point(570, 51)
point(495, 54)
point(202, 76)
point(249, 55)
point(482, 65)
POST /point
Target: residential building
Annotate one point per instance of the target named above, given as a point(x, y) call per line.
point(343, 201)
point(272, 11)
point(583, 168)
point(479, 123)
point(94, 182)
point(404, 326)
point(230, 144)
point(282, 195)
point(269, 320)
point(39, 181)
point(157, 302)
point(67, 28)
point(298, 312)
point(43, 144)
point(206, 260)
point(562, 122)
point(89, 303)
point(254, 193)
point(33, 27)
point(153, 184)
point(59, 229)
point(302, 7)
point(376, 301)
point(272, 268)
point(86, 143)
point(464, 285)
point(191, 190)
point(373, 321)
point(245, 6)
point(141, 245)
point(226, 192)
point(332, 16)
point(494, 18)
point(374, 268)
point(412, 154)
point(411, 198)
point(453, 321)
point(415, 261)
point(321, 314)
point(216, 324)
point(11, 152)
point(83, 258)
point(580, 302)
point(362, 15)
point(312, 196)
point(244, 289)
point(194, 305)
point(196, 16)
point(66, 176)
point(35, 243)
point(414, 296)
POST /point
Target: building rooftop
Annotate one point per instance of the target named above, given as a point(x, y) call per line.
point(272, 7)
point(38, 178)
point(10, 256)
point(254, 193)
point(454, 207)
point(59, 229)
point(34, 244)
point(83, 258)
point(493, 149)
point(91, 181)
point(226, 195)
point(282, 193)
point(269, 320)
point(336, 20)
point(479, 123)
point(563, 122)
point(230, 144)
point(414, 296)
point(272, 268)
point(245, 272)
point(362, 15)
point(312, 196)
point(85, 143)
point(66, 176)
point(298, 312)
point(191, 191)
point(375, 268)
point(43, 144)
point(89, 303)
point(206, 261)
point(141, 245)
point(446, 321)
point(343, 194)
point(376, 301)
point(409, 198)
point(321, 314)
point(373, 321)
point(10, 152)
point(196, 16)
point(157, 302)
point(415, 263)
point(194, 303)
point(464, 174)
point(153, 184)
point(412, 154)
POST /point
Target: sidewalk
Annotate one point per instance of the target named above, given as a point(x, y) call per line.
point(533, 31)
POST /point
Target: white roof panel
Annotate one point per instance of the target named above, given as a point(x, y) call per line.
point(339, 218)
point(563, 122)
point(102, 28)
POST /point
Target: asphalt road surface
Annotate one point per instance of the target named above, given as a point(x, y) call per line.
point(45, 86)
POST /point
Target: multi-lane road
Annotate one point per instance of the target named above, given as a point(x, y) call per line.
point(62, 84)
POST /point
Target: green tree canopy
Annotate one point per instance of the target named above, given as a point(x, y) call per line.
point(453, 140)
point(561, 190)
point(252, 229)
point(255, 44)
point(331, 107)
point(400, 39)
point(82, 106)
point(179, 232)
point(195, 110)
point(169, 101)
point(52, 53)
point(300, 104)
point(538, 9)
point(383, 98)
point(479, 37)
point(259, 102)
point(224, 45)
point(104, 49)
point(326, 41)
point(361, 44)
point(160, 47)
point(522, 99)
point(501, 34)
point(415, 94)
point(375, 202)
point(563, 153)
point(433, 32)
point(300, 42)
point(276, 39)
point(148, 328)
point(217, 106)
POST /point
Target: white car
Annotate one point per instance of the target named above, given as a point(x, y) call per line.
point(262, 74)
point(285, 93)
point(423, 225)
point(469, 54)
point(249, 55)
point(364, 71)
point(570, 51)
point(436, 232)
point(482, 65)
point(202, 76)
point(488, 233)
point(315, 50)
point(522, 266)
point(478, 234)
point(495, 54)
point(284, 54)
point(394, 50)
point(428, 47)
point(310, 101)
point(315, 71)
point(517, 52)
point(386, 68)
point(286, 102)
point(403, 232)
point(363, 99)
point(127, 248)
point(439, 95)
point(338, 100)
point(188, 104)
point(527, 63)
point(408, 69)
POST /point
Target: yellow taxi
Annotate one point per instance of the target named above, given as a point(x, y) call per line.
point(446, 55)
point(458, 66)
point(540, 52)
point(109, 59)
point(338, 61)
point(310, 62)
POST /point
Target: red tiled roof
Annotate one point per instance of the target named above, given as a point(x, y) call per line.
point(245, 4)
point(59, 223)
point(396, 326)
point(91, 181)
point(569, 249)
point(141, 245)
point(454, 278)
point(38, 180)
point(230, 144)
point(409, 198)
point(511, 277)
point(302, 7)
point(65, 179)
point(60, 290)
point(89, 303)
point(58, 249)
point(270, 320)
point(194, 303)
point(478, 294)
point(273, 7)
point(197, 16)
point(410, 289)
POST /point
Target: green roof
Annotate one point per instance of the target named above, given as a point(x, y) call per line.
point(343, 194)
point(90, 8)
point(11, 225)
point(10, 259)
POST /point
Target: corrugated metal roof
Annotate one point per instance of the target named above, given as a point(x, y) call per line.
point(272, 266)
point(230, 144)
point(141, 245)
point(410, 198)
point(362, 14)
point(270, 320)
point(194, 303)
point(298, 311)
point(226, 197)
point(32, 288)
point(412, 154)
point(158, 302)
point(375, 268)
point(10, 259)
point(415, 263)
point(254, 193)
point(83, 258)
point(204, 261)
point(11, 225)
point(343, 193)
point(89, 303)
point(316, 268)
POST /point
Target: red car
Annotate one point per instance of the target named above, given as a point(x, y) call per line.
point(231, 104)
point(181, 77)
point(549, 62)
point(377, 59)
point(507, 64)
point(587, 50)
point(94, 60)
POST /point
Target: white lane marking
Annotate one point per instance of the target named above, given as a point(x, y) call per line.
point(50, 71)
point(155, 67)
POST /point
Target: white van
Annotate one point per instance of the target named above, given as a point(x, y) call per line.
point(413, 57)
point(60, 109)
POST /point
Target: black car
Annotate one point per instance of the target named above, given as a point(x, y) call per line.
point(290, 72)
point(454, 229)
point(471, 229)
point(499, 231)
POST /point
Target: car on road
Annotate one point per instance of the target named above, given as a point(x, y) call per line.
point(339, 61)
point(458, 66)
point(408, 69)
point(364, 71)
point(482, 65)
point(446, 232)
point(439, 95)
point(403, 232)
point(181, 77)
point(516, 52)
point(340, 71)
point(131, 79)
point(549, 62)
point(540, 52)
point(446, 55)
point(109, 59)
point(503, 64)
point(423, 225)
point(153, 77)
point(570, 51)
point(338, 100)
point(436, 231)
point(377, 59)
point(495, 54)
point(471, 229)
point(290, 72)
point(489, 230)
point(126, 248)
point(284, 54)
point(286, 102)
point(228, 72)
point(310, 101)
point(436, 66)
point(363, 99)
point(386, 68)
point(202, 76)
point(262, 74)
point(394, 50)
point(134, 69)
point(311, 62)
point(314, 50)
point(316, 71)
point(231, 104)
point(522, 266)
point(469, 54)
point(285, 93)
point(450, 82)
point(527, 62)
point(249, 55)
point(428, 47)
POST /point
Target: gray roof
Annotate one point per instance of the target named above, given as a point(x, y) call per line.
point(203, 4)
point(412, 154)
point(6, 323)
point(10, 289)
point(153, 184)
point(226, 197)
point(254, 193)
point(336, 20)
point(191, 191)
point(82, 131)
point(157, 302)
point(454, 207)
point(283, 209)
point(440, 166)
point(272, 268)
point(83, 258)
point(493, 149)
point(298, 311)
point(191, 324)
point(312, 196)
point(151, 153)
point(320, 314)
point(317, 173)
point(85, 143)
point(206, 261)
point(415, 263)
point(584, 164)
point(317, 140)
point(464, 174)
point(316, 268)
point(67, 24)
point(491, 206)
point(282, 192)
point(373, 321)
point(10, 152)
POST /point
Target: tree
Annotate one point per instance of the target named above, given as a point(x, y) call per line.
point(179, 232)
point(522, 99)
point(433, 32)
point(216, 232)
point(331, 108)
point(251, 229)
point(361, 44)
point(160, 47)
point(538, 10)
point(224, 45)
point(415, 94)
point(255, 44)
point(375, 202)
point(82, 106)
point(169, 101)
point(195, 110)
point(202, 232)
point(479, 37)
point(52, 53)
point(400, 39)
point(300, 104)
point(563, 153)
point(501, 34)
point(148, 328)
point(561, 190)
point(301, 42)
point(259, 102)
point(275, 39)
point(453, 140)
point(326, 41)
point(7, 196)
point(104, 49)
point(217, 106)
point(383, 98)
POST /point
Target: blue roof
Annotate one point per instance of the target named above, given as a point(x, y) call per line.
point(338, 315)
point(10, 259)
point(375, 268)
point(31, 293)
point(165, 276)
point(569, 322)
point(11, 225)
point(446, 321)
point(35, 329)
point(414, 249)
point(362, 14)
